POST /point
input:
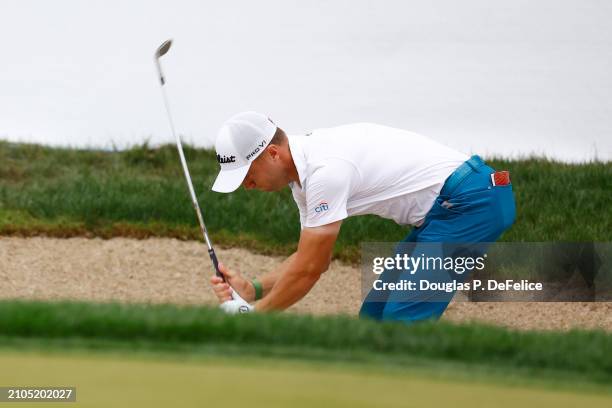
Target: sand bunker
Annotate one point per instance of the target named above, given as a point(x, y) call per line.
point(163, 270)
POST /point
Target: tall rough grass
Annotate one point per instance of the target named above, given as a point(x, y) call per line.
point(141, 192)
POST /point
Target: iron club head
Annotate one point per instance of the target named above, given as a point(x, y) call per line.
point(163, 49)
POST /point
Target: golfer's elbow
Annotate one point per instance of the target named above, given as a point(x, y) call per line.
point(316, 269)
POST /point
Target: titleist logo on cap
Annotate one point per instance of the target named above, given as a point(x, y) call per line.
point(225, 159)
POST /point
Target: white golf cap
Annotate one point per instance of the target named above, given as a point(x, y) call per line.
point(241, 139)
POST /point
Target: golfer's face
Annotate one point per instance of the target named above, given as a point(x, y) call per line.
point(256, 177)
point(262, 175)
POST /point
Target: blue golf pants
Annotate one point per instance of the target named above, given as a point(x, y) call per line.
point(469, 209)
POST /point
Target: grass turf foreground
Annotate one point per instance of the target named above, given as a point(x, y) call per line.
point(121, 380)
point(582, 355)
point(141, 192)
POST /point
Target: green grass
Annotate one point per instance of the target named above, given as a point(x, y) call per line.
point(141, 192)
point(580, 355)
point(124, 379)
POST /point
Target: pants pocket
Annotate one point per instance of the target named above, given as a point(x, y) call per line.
point(507, 209)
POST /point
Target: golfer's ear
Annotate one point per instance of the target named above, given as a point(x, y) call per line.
point(272, 151)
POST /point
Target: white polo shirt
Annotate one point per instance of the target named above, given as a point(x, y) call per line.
point(365, 168)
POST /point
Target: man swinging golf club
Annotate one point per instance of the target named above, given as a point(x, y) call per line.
point(351, 170)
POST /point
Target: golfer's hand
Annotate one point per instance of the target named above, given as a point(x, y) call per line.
point(234, 280)
point(236, 305)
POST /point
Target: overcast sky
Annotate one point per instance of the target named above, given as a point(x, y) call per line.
point(489, 77)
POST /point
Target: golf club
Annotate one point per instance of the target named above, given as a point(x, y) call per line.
point(161, 51)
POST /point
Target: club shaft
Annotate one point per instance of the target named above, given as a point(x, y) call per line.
point(194, 200)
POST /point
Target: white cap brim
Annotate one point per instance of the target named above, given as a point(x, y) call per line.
point(229, 180)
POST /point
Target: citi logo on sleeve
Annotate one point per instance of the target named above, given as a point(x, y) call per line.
point(225, 159)
point(321, 207)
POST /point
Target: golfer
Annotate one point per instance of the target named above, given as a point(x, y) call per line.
point(350, 170)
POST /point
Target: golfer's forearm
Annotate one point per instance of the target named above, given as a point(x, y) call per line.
point(299, 273)
point(296, 280)
point(290, 288)
point(269, 279)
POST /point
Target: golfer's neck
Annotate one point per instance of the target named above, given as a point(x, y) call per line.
point(293, 173)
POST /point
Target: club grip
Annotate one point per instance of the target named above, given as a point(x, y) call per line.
point(215, 261)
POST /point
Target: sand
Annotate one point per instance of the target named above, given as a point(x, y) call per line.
point(163, 270)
